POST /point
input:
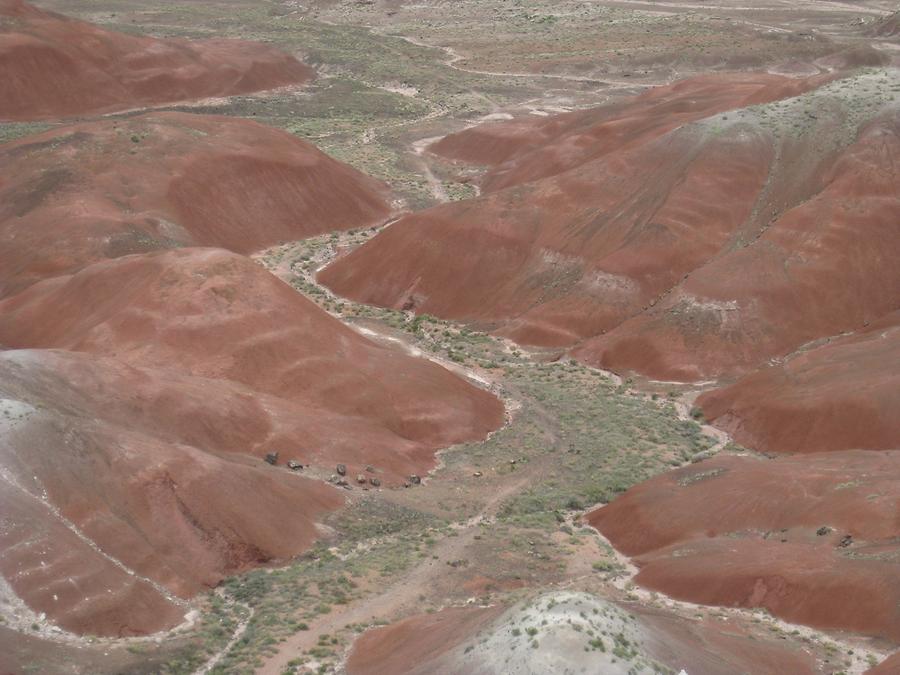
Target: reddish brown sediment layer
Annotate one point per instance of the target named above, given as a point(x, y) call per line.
point(54, 66)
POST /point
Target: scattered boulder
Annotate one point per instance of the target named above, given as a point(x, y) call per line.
point(702, 455)
point(370, 469)
point(375, 482)
point(822, 531)
point(294, 465)
point(361, 479)
point(415, 480)
point(342, 469)
point(272, 458)
point(846, 540)
point(478, 474)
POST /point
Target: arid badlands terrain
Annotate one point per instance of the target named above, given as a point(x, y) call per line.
point(459, 337)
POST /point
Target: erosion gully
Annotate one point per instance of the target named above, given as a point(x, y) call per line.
point(400, 597)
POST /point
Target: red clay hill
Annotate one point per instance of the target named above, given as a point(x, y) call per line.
point(587, 219)
point(179, 371)
point(615, 211)
point(811, 538)
point(695, 232)
point(122, 498)
point(521, 151)
point(822, 268)
point(214, 314)
point(839, 395)
point(100, 190)
point(148, 370)
point(54, 66)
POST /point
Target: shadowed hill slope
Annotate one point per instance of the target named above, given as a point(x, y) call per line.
point(53, 66)
point(142, 442)
point(123, 497)
point(654, 237)
point(99, 190)
point(604, 247)
point(522, 151)
point(820, 269)
point(811, 538)
point(837, 396)
point(215, 314)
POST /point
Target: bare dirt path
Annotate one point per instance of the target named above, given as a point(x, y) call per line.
point(402, 595)
point(454, 57)
point(239, 630)
point(436, 186)
point(787, 5)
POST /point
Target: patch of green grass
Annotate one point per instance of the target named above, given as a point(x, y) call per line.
point(10, 131)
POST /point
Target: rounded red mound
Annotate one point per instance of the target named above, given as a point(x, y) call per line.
point(822, 268)
point(611, 218)
point(525, 150)
point(837, 396)
point(124, 499)
point(824, 553)
point(134, 451)
point(215, 314)
point(100, 190)
point(54, 66)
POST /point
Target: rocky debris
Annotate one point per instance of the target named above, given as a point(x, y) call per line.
point(702, 455)
point(340, 481)
point(375, 482)
point(272, 458)
point(341, 469)
point(361, 479)
point(822, 531)
point(415, 480)
point(294, 465)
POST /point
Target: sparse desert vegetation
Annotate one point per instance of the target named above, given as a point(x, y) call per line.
point(372, 336)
